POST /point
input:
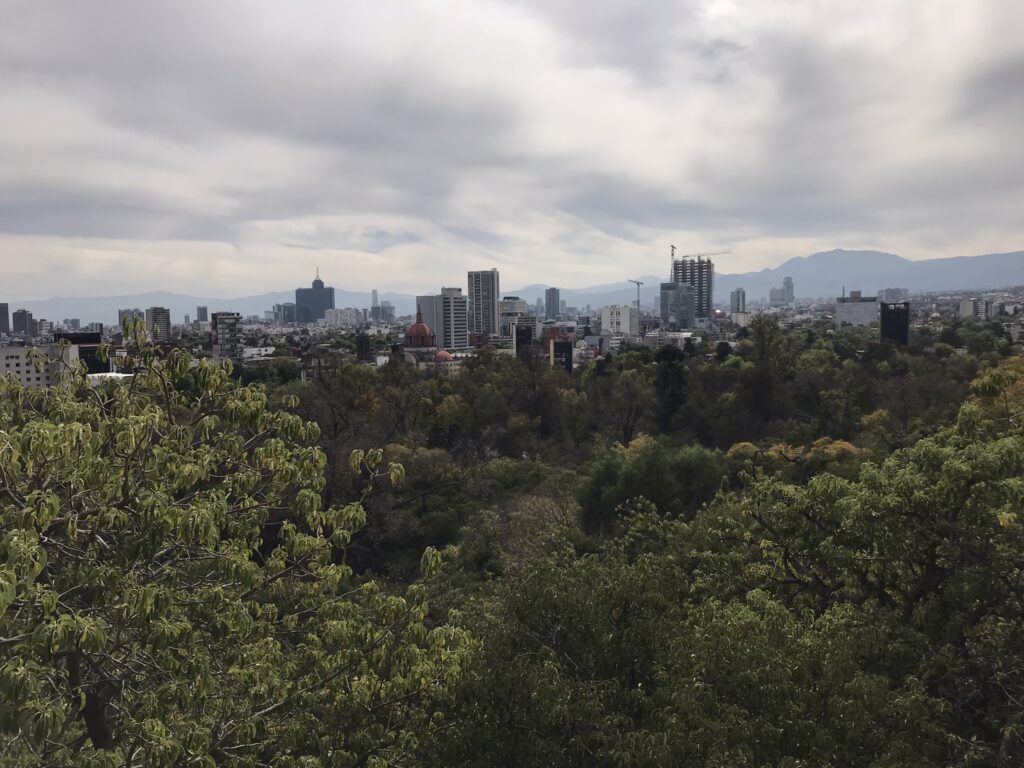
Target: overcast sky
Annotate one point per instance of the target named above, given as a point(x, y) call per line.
point(230, 148)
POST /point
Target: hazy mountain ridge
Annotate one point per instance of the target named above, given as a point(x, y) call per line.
point(822, 274)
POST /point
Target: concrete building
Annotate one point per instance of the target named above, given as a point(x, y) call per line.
point(348, 317)
point(447, 314)
point(620, 320)
point(893, 295)
point(699, 273)
point(856, 310)
point(484, 299)
point(226, 335)
point(738, 301)
point(552, 303)
point(5, 319)
point(311, 304)
point(977, 308)
point(202, 314)
point(678, 306)
point(158, 323)
point(45, 371)
point(788, 292)
point(509, 309)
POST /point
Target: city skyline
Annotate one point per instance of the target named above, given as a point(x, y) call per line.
point(241, 145)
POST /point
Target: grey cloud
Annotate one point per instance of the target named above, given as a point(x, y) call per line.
point(200, 119)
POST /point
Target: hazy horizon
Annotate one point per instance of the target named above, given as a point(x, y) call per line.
point(230, 149)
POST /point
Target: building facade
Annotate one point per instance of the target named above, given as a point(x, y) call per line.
point(447, 314)
point(311, 304)
point(700, 274)
point(484, 300)
point(856, 310)
point(23, 322)
point(677, 305)
point(894, 322)
point(552, 303)
point(226, 335)
point(738, 301)
point(43, 371)
point(5, 319)
point(620, 320)
point(158, 323)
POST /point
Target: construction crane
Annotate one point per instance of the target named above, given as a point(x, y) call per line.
point(638, 283)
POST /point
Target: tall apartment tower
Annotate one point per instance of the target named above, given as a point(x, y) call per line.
point(484, 298)
point(552, 303)
point(202, 314)
point(787, 287)
point(738, 301)
point(447, 314)
point(226, 336)
point(700, 273)
point(158, 323)
point(5, 319)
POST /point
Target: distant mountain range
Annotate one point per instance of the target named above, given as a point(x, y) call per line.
point(818, 275)
point(823, 275)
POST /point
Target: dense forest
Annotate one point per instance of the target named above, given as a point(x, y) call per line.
point(801, 548)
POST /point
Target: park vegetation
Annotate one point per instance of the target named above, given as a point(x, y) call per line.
point(804, 548)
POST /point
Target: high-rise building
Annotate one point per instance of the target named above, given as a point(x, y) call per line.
point(158, 323)
point(483, 297)
point(447, 314)
point(226, 335)
point(677, 306)
point(5, 320)
point(552, 303)
point(787, 290)
point(738, 301)
point(387, 312)
point(699, 273)
point(894, 324)
point(311, 304)
point(374, 307)
point(23, 322)
point(202, 314)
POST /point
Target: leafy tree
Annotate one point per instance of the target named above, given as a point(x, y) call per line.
point(173, 592)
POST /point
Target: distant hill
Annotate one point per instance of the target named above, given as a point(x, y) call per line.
point(825, 274)
point(818, 275)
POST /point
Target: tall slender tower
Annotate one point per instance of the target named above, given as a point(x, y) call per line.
point(484, 295)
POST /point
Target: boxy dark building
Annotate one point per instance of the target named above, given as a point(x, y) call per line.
point(88, 344)
point(311, 304)
point(895, 322)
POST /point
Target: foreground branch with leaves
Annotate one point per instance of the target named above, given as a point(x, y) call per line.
point(173, 593)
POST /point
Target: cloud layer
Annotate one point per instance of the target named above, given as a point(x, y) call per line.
point(232, 147)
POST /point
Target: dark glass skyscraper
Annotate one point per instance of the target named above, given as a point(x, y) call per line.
point(311, 304)
point(894, 322)
point(5, 319)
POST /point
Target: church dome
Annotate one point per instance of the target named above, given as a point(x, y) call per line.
point(444, 356)
point(420, 334)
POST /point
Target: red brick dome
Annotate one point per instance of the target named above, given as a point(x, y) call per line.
point(420, 335)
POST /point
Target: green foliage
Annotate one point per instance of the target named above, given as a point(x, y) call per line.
point(175, 593)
